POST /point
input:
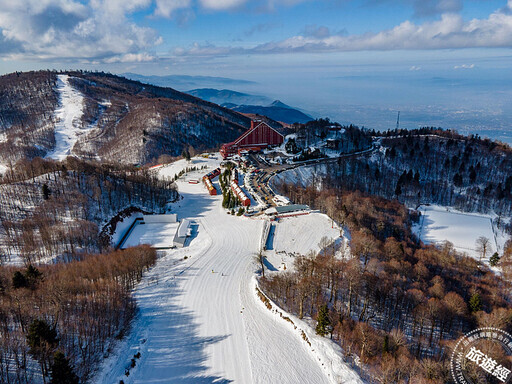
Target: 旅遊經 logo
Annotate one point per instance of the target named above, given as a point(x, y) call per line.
point(483, 356)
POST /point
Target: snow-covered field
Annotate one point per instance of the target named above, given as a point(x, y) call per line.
point(439, 224)
point(292, 236)
point(68, 126)
point(200, 320)
point(173, 169)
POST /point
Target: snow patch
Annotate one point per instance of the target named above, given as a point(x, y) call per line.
point(169, 171)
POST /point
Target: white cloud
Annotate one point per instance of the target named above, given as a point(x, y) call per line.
point(102, 31)
point(317, 31)
point(436, 7)
point(131, 58)
point(166, 8)
point(68, 29)
point(449, 32)
point(221, 4)
point(415, 68)
point(464, 66)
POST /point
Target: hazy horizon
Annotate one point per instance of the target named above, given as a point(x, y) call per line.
point(440, 62)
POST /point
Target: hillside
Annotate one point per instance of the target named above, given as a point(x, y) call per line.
point(425, 166)
point(51, 210)
point(227, 96)
point(106, 117)
point(276, 111)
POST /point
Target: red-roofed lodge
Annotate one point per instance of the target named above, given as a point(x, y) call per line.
point(259, 136)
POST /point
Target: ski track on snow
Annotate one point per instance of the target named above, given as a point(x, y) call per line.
point(68, 126)
point(199, 326)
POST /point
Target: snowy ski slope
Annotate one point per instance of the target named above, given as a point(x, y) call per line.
point(68, 126)
point(200, 320)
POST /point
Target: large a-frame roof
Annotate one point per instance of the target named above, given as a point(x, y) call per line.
point(244, 135)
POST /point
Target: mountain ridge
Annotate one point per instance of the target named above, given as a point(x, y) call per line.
point(128, 121)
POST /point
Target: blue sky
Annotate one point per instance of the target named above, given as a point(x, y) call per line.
point(337, 57)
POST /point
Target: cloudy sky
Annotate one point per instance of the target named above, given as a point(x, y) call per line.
point(330, 56)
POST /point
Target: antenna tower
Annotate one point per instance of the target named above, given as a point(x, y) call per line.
point(398, 121)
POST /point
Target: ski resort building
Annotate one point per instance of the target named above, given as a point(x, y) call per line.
point(158, 231)
point(244, 200)
point(259, 136)
point(209, 186)
point(207, 180)
point(182, 233)
point(288, 210)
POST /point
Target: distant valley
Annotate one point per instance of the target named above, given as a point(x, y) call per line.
point(253, 104)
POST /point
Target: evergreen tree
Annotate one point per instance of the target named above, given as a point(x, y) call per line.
point(398, 189)
point(323, 324)
point(32, 276)
point(472, 174)
point(46, 191)
point(40, 333)
point(42, 340)
point(385, 345)
point(61, 370)
point(495, 259)
point(19, 280)
point(475, 303)
point(457, 180)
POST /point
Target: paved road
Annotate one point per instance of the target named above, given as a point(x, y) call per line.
point(267, 171)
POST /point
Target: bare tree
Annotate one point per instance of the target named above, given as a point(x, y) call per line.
point(259, 258)
point(483, 245)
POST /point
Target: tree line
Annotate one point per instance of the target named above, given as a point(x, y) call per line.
point(58, 321)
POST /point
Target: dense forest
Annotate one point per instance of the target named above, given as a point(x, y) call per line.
point(426, 166)
point(320, 135)
point(52, 209)
point(396, 306)
point(60, 320)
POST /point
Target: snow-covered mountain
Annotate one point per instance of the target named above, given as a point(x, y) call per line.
point(107, 117)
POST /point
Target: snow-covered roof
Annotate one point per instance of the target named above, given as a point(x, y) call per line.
point(271, 211)
point(286, 209)
point(183, 228)
point(167, 218)
point(291, 208)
